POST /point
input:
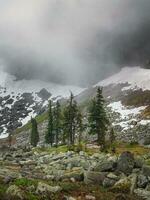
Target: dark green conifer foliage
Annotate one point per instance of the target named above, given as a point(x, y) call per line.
point(57, 122)
point(112, 136)
point(49, 137)
point(69, 120)
point(34, 133)
point(79, 126)
point(98, 121)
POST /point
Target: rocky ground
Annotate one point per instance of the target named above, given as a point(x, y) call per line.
point(61, 174)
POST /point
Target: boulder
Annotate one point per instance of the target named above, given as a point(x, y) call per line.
point(14, 192)
point(126, 163)
point(142, 181)
point(142, 193)
point(146, 170)
point(123, 186)
point(44, 188)
point(90, 197)
point(139, 162)
point(77, 174)
point(108, 182)
point(105, 166)
point(91, 177)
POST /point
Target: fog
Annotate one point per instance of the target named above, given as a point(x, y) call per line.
point(73, 41)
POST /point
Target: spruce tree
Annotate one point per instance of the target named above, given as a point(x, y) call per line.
point(57, 125)
point(79, 126)
point(69, 120)
point(49, 137)
point(34, 133)
point(112, 136)
point(98, 120)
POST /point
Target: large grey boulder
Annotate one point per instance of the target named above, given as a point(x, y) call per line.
point(142, 181)
point(108, 182)
point(126, 163)
point(91, 177)
point(105, 166)
point(146, 170)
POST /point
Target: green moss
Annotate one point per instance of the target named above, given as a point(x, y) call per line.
point(24, 182)
point(122, 188)
point(60, 149)
point(3, 189)
point(30, 196)
point(68, 187)
point(40, 118)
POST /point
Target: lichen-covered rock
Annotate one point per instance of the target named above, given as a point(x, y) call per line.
point(126, 163)
point(44, 188)
point(105, 166)
point(146, 170)
point(142, 181)
point(108, 182)
point(123, 185)
point(142, 193)
point(91, 177)
point(15, 192)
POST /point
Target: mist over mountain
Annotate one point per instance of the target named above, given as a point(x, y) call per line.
point(73, 41)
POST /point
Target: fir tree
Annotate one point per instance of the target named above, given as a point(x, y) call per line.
point(57, 125)
point(34, 133)
point(69, 120)
point(112, 136)
point(98, 121)
point(49, 137)
point(79, 126)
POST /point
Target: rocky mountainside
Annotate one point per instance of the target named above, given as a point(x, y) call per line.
point(21, 99)
point(127, 95)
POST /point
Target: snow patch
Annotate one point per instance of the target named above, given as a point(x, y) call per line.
point(123, 111)
point(135, 76)
point(127, 115)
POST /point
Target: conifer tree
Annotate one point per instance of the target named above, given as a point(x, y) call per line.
point(49, 137)
point(57, 125)
point(69, 120)
point(112, 136)
point(34, 133)
point(98, 121)
point(79, 126)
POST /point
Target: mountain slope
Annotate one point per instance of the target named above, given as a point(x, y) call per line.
point(128, 105)
point(21, 99)
point(127, 95)
point(136, 77)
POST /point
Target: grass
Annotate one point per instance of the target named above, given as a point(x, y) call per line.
point(24, 182)
point(134, 148)
point(60, 149)
point(40, 118)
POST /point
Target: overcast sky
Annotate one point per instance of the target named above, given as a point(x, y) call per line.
point(73, 41)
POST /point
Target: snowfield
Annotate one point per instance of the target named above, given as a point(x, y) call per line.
point(127, 115)
point(135, 76)
point(125, 112)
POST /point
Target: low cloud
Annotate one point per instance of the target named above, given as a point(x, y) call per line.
point(72, 41)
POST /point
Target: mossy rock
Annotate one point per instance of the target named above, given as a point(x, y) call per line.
point(122, 186)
